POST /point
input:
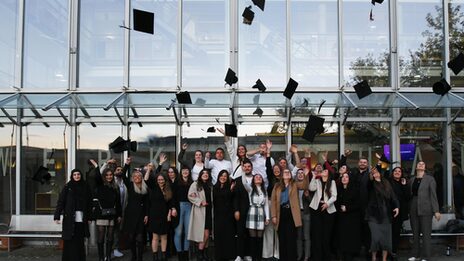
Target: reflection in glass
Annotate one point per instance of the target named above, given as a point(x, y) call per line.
point(46, 44)
point(101, 44)
point(456, 36)
point(456, 168)
point(153, 57)
point(366, 43)
point(7, 168)
point(420, 42)
point(262, 46)
point(205, 37)
point(314, 43)
point(42, 147)
point(8, 18)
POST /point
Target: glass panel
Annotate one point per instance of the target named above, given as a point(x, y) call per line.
point(7, 173)
point(366, 43)
point(154, 57)
point(456, 36)
point(8, 18)
point(101, 42)
point(420, 42)
point(42, 147)
point(151, 141)
point(205, 48)
point(458, 162)
point(365, 139)
point(262, 46)
point(46, 44)
point(314, 33)
point(429, 146)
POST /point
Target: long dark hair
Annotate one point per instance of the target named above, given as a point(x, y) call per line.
point(382, 187)
point(167, 192)
point(328, 184)
point(217, 186)
point(200, 183)
point(254, 188)
point(189, 177)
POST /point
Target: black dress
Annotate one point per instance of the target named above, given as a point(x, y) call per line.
point(224, 230)
point(135, 210)
point(158, 209)
point(348, 223)
point(108, 197)
point(209, 208)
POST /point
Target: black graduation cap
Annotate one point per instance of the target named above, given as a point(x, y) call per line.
point(258, 112)
point(362, 89)
point(291, 88)
point(211, 129)
point(42, 175)
point(231, 130)
point(256, 99)
point(200, 102)
point(183, 97)
point(314, 126)
point(457, 64)
point(260, 86)
point(441, 87)
point(376, 1)
point(120, 145)
point(248, 15)
point(259, 3)
point(231, 77)
point(144, 21)
point(384, 159)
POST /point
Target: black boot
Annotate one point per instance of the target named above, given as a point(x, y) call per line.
point(163, 256)
point(133, 252)
point(185, 255)
point(259, 248)
point(252, 241)
point(101, 257)
point(140, 247)
point(200, 255)
point(155, 256)
point(109, 247)
point(205, 255)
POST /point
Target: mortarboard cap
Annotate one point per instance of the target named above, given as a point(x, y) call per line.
point(231, 130)
point(258, 112)
point(200, 102)
point(291, 88)
point(42, 175)
point(143, 21)
point(248, 15)
point(231, 77)
point(184, 98)
point(441, 87)
point(362, 89)
point(376, 1)
point(120, 145)
point(314, 126)
point(211, 129)
point(384, 159)
point(260, 86)
point(457, 64)
point(259, 3)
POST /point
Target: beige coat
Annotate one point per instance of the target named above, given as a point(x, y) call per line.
point(293, 198)
point(197, 214)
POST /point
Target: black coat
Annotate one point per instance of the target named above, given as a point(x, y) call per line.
point(403, 196)
point(157, 209)
point(360, 179)
point(348, 223)
point(66, 205)
point(224, 231)
point(241, 200)
point(135, 210)
point(108, 197)
point(377, 202)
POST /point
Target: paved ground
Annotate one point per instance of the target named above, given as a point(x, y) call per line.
point(51, 254)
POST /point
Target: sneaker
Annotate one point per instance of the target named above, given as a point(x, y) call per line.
point(413, 259)
point(238, 258)
point(117, 253)
point(247, 258)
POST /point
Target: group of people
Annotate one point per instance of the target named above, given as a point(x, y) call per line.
point(250, 206)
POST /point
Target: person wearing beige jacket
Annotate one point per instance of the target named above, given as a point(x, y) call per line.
point(322, 214)
point(286, 213)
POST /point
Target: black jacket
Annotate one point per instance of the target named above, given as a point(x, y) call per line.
point(403, 196)
point(136, 208)
point(241, 199)
point(377, 203)
point(108, 197)
point(66, 205)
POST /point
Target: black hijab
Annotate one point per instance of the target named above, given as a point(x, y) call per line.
point(78, 188)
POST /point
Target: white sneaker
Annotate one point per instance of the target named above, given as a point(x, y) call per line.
point(413, 259)
point(117, 253)
point(248, 258)
point(238, 258)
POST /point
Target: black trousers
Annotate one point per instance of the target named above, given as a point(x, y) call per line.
point(396, 230)
point(242, 239)
point(74, 249)
point(287, 235)
point(321, 234)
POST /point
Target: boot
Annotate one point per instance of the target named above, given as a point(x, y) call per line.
point(140, 248)
point(185, 255)
point(163, 256)
point(252, 241)
point(109, 246)
point(200, 255)
point(205, 255)
point(100, 252)
point(155, 256)
point(133, 252)
point(259, 248)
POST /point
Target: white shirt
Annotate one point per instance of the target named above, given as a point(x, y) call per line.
point(216, 166)
point(196, 171)
point(259, 166)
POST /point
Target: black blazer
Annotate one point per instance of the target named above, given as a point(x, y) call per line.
point(241, 199)
point(108, 197)
point(136, 207)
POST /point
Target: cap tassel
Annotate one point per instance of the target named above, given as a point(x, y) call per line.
point(371, 17)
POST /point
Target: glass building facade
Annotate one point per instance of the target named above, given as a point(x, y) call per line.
point(74, 76)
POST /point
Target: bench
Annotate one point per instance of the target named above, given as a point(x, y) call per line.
point(32, 226)
point(438, 229)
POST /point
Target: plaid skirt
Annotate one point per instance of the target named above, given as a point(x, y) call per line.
point(255, 217)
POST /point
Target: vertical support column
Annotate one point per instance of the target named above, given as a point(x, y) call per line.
point(340, 45)
point(180, 22)
point(447, 136)
point(395, 138)
point(233, 59)
point(288, 67)
point(18, 82)
point(178, 144)
point(71, 141)
point(127, 24)
point(341, 137)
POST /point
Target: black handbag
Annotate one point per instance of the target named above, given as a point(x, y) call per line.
point(102, 212)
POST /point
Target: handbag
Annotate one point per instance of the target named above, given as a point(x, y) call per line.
point(105, 212)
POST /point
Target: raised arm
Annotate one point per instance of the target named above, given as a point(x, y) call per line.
point(247, 186)
point(181, 157)
point(98, 176)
